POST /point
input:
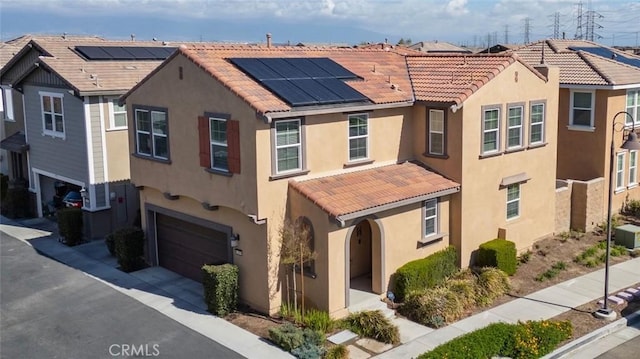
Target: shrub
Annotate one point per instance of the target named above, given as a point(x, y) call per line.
point(318, 320)
point(434, 307)
point(110, 241)
point(129, 248)
point(337, 352)
point(632, 207)
point(311, 347)
point(491, 283)
point(16, 202)
point(286, 336)
point(291, 313)
point(374, 325)
point(524, 257)
point(498, 253)
point(425, 273)
point(531, 339)
point(553, 272)
point(70, 225)
point(220, 284)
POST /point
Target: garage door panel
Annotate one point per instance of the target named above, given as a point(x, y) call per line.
point(184, 247)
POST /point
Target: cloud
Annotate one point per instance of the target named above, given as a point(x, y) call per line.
point(457, 7)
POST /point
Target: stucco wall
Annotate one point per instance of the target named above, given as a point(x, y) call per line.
point(563, 206)
point(586, 204)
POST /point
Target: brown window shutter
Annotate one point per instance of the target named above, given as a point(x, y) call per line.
point(233, 145)
point(203, 136)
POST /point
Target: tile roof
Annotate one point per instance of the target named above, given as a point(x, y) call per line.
point(581, 67)
point(452, 78)
point(86, 76)
point(10, 48)
point(437, 46)
point(384, 73)
point(373, 190)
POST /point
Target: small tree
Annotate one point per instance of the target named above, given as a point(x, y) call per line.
point(295, 251)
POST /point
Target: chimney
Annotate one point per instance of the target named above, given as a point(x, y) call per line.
point(268, 40)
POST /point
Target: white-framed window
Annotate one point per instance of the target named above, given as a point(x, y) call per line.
point(514, 126)
point(633, 167)
point(430, 217)
point(582, 108)
point(536, 123)
point(358, 137)
point(288, 149)
point(117, 115)
point(436, 132)
point(152, 135)
point(219, 147)
point(633, 106)
point(490, 130)
point(7, 104)
point(513, 200)
point(620, 171)
point(52, 113)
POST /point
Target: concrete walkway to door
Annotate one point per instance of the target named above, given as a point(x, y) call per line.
point(178, 298)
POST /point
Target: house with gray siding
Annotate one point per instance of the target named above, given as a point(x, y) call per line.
point(64, 91)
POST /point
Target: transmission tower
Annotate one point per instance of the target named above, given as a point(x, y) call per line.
point(527, 29)
point(579, 35)
point(592, 24)
point(506, 34)
point(556, 25)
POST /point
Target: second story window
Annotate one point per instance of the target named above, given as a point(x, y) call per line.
point(52, 114)
point(436, 132)
point(118, 116)
point(288, 149)
point(490, 130)
point(581, 109)
point(620, 171)
point(218, 138)
point(219, 143)
point(537, 117)
point(514, 132)
point(152, 135)
point(633, 107)
point(358, 137)
point(633, 167)
point(430, 217)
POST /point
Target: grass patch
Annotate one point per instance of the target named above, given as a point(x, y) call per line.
point(553, 272)
point(596, 254)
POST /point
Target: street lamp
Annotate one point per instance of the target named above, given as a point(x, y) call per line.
point(630, 144)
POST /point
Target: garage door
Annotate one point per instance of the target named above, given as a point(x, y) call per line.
point(183, 247)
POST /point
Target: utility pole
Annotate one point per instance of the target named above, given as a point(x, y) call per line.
point(579, 22)
point(527, 29)
point(506, 34)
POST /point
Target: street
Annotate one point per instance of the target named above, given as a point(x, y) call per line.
point(49, 310)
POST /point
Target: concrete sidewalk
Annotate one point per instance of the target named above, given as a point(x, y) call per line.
point(178, 298)
point(181, 299)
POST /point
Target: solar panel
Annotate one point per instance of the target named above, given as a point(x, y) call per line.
point(255, 68)
point(346, 92)
point(606, 53)
point(332, 67)
point(309, 67)
point(285, 69)
point(316, 90)
point(289, 92)
point(125, 52)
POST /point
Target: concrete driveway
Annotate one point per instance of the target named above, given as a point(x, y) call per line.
point(50, 310)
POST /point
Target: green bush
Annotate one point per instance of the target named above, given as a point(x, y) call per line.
point(374, 325)
point(286, 336)
point(220, 284)
point(4, 185)
point(499, 253)
point(523, 340)
point(425, 273)
point(632, 207)
point(16, 202)
point(337, 352)
point(312, 345)
point(129, 248)
point(110, 241)
point(70, 225)
point(318, 320)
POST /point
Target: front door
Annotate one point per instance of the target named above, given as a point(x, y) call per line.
point(360, 251)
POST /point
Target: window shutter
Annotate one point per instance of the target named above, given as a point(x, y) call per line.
point(233, 145)
point(203, 136)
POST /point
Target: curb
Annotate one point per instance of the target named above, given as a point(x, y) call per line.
point(595, 335)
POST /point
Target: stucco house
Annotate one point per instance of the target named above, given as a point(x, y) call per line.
point(596, 83)
point(387, 157)
point(63, 94)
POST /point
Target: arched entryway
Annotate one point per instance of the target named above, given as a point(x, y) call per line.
point(365, 260)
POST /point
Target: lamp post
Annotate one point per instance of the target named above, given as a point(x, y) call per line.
point(631, 143)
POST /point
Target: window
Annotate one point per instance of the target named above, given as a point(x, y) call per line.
point(152, 133)
point(218, 138)
point(536, 134)
point(633, 167)
point(513, 200)
point(288, 146)
point(358, 137)
point(620, 171)
point(436, 132)
point(514, 131)
point(7, 100)
point(633, 107)
point(118, 115)
point(52, 114)
point(582, 108)
point(430, 217)
point(491, 130)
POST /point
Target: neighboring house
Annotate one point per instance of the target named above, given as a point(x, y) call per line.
point(368, 148)
point(498, 48)
point(433, 47)
point(65, 91)
point(12, 160)
point(596, 83)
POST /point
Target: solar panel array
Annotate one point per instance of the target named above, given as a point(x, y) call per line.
point(604, 52)
point(124, 53)
point(302, 81)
